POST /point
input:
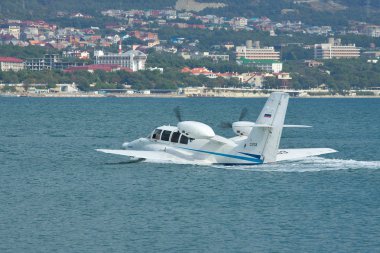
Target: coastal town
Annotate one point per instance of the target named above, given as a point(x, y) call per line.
point(265, 55)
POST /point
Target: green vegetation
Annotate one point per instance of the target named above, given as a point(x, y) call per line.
point(207, 39)
point(338, 75)
point(46, 9)
point(171, 79)
point(365, 93)
point(25, 52)
point(8, 88)
point(319, 14)
point(175, 62)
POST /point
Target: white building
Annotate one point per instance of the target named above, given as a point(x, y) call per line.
point(11, 64)
point(264, 58)
point(334, 49)
point(239, 22)
point(66, 88)
point(14, 30)
point(253, 53)
point(273, 66)
point(252, 79)
point(133, 59)
point(372, 30)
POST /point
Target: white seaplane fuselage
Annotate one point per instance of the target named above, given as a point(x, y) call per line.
point(192, 142)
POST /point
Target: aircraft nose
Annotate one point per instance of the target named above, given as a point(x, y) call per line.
point(125, 145)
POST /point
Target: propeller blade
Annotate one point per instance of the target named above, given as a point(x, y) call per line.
point(226, 124)
point(243, 113)
point(177, 112)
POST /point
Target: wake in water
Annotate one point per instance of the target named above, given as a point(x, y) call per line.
point(311, 164)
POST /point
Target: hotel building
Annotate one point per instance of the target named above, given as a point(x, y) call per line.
point(334, 49)
point(133, 59)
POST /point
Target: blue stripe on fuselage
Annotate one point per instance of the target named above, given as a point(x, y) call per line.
point(251, 159)
point(253, 155)
point(235, 164)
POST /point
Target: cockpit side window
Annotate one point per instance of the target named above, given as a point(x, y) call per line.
point(175, 137)
point(157, 134)
point(165, 135)
point(184, 139)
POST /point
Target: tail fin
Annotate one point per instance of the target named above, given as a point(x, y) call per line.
point(264, 138)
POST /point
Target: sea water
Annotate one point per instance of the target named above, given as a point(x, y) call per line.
point(57, 194)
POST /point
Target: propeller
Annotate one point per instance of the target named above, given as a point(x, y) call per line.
point(177, 112)
point(225, 124)
point(243, 114)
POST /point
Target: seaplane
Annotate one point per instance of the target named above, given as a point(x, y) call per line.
point(193, 142)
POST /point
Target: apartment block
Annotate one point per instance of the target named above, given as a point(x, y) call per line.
point(335, 49)
point(253, 51)
point(11, 64)
point(133, 59)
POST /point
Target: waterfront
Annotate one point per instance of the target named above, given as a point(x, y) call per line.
point(58, 194)
point(202, 92)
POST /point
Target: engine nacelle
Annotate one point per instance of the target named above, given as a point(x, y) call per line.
point(195, 130)
point(242, 128)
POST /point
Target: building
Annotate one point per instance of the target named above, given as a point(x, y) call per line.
point(239, 22)
point(313, 63)
point(264, 65)
point(253, 51)
point(335, 49)
point(372, 54)
point(83, 55)
point(15, 31)
point(65, 88)
point(252, 79)
point(11, 64)
point(372, 30)
point(199, 55)
point(229, 45)
point(49, 61)
point(94, 67)
point(133, 59)
point(285, 78)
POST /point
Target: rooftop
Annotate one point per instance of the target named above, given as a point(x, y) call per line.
point(11, 59)
point(262, 61)
point(93, 67)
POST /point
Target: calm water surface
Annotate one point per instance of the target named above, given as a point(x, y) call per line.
point(59, 195)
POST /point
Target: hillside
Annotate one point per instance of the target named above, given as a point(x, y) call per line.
point(316, 12)
point(48, 8)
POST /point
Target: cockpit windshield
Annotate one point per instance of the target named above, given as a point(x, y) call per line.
point(174, 137)
point(157, 134)
point(165, 135)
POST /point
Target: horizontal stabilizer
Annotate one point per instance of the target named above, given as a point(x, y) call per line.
point(298, 153)
point(262, 125)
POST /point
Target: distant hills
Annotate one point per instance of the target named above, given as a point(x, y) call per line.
point(314, 12)
point(318, 12)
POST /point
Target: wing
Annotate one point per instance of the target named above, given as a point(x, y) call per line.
point(297, 153)
point(156, 156)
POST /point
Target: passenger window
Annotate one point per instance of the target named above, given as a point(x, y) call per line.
point(157, 134)
point(165, 135)
point(184, 140)
point(175, 137)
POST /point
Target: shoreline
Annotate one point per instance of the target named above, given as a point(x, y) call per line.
point(84, 95)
